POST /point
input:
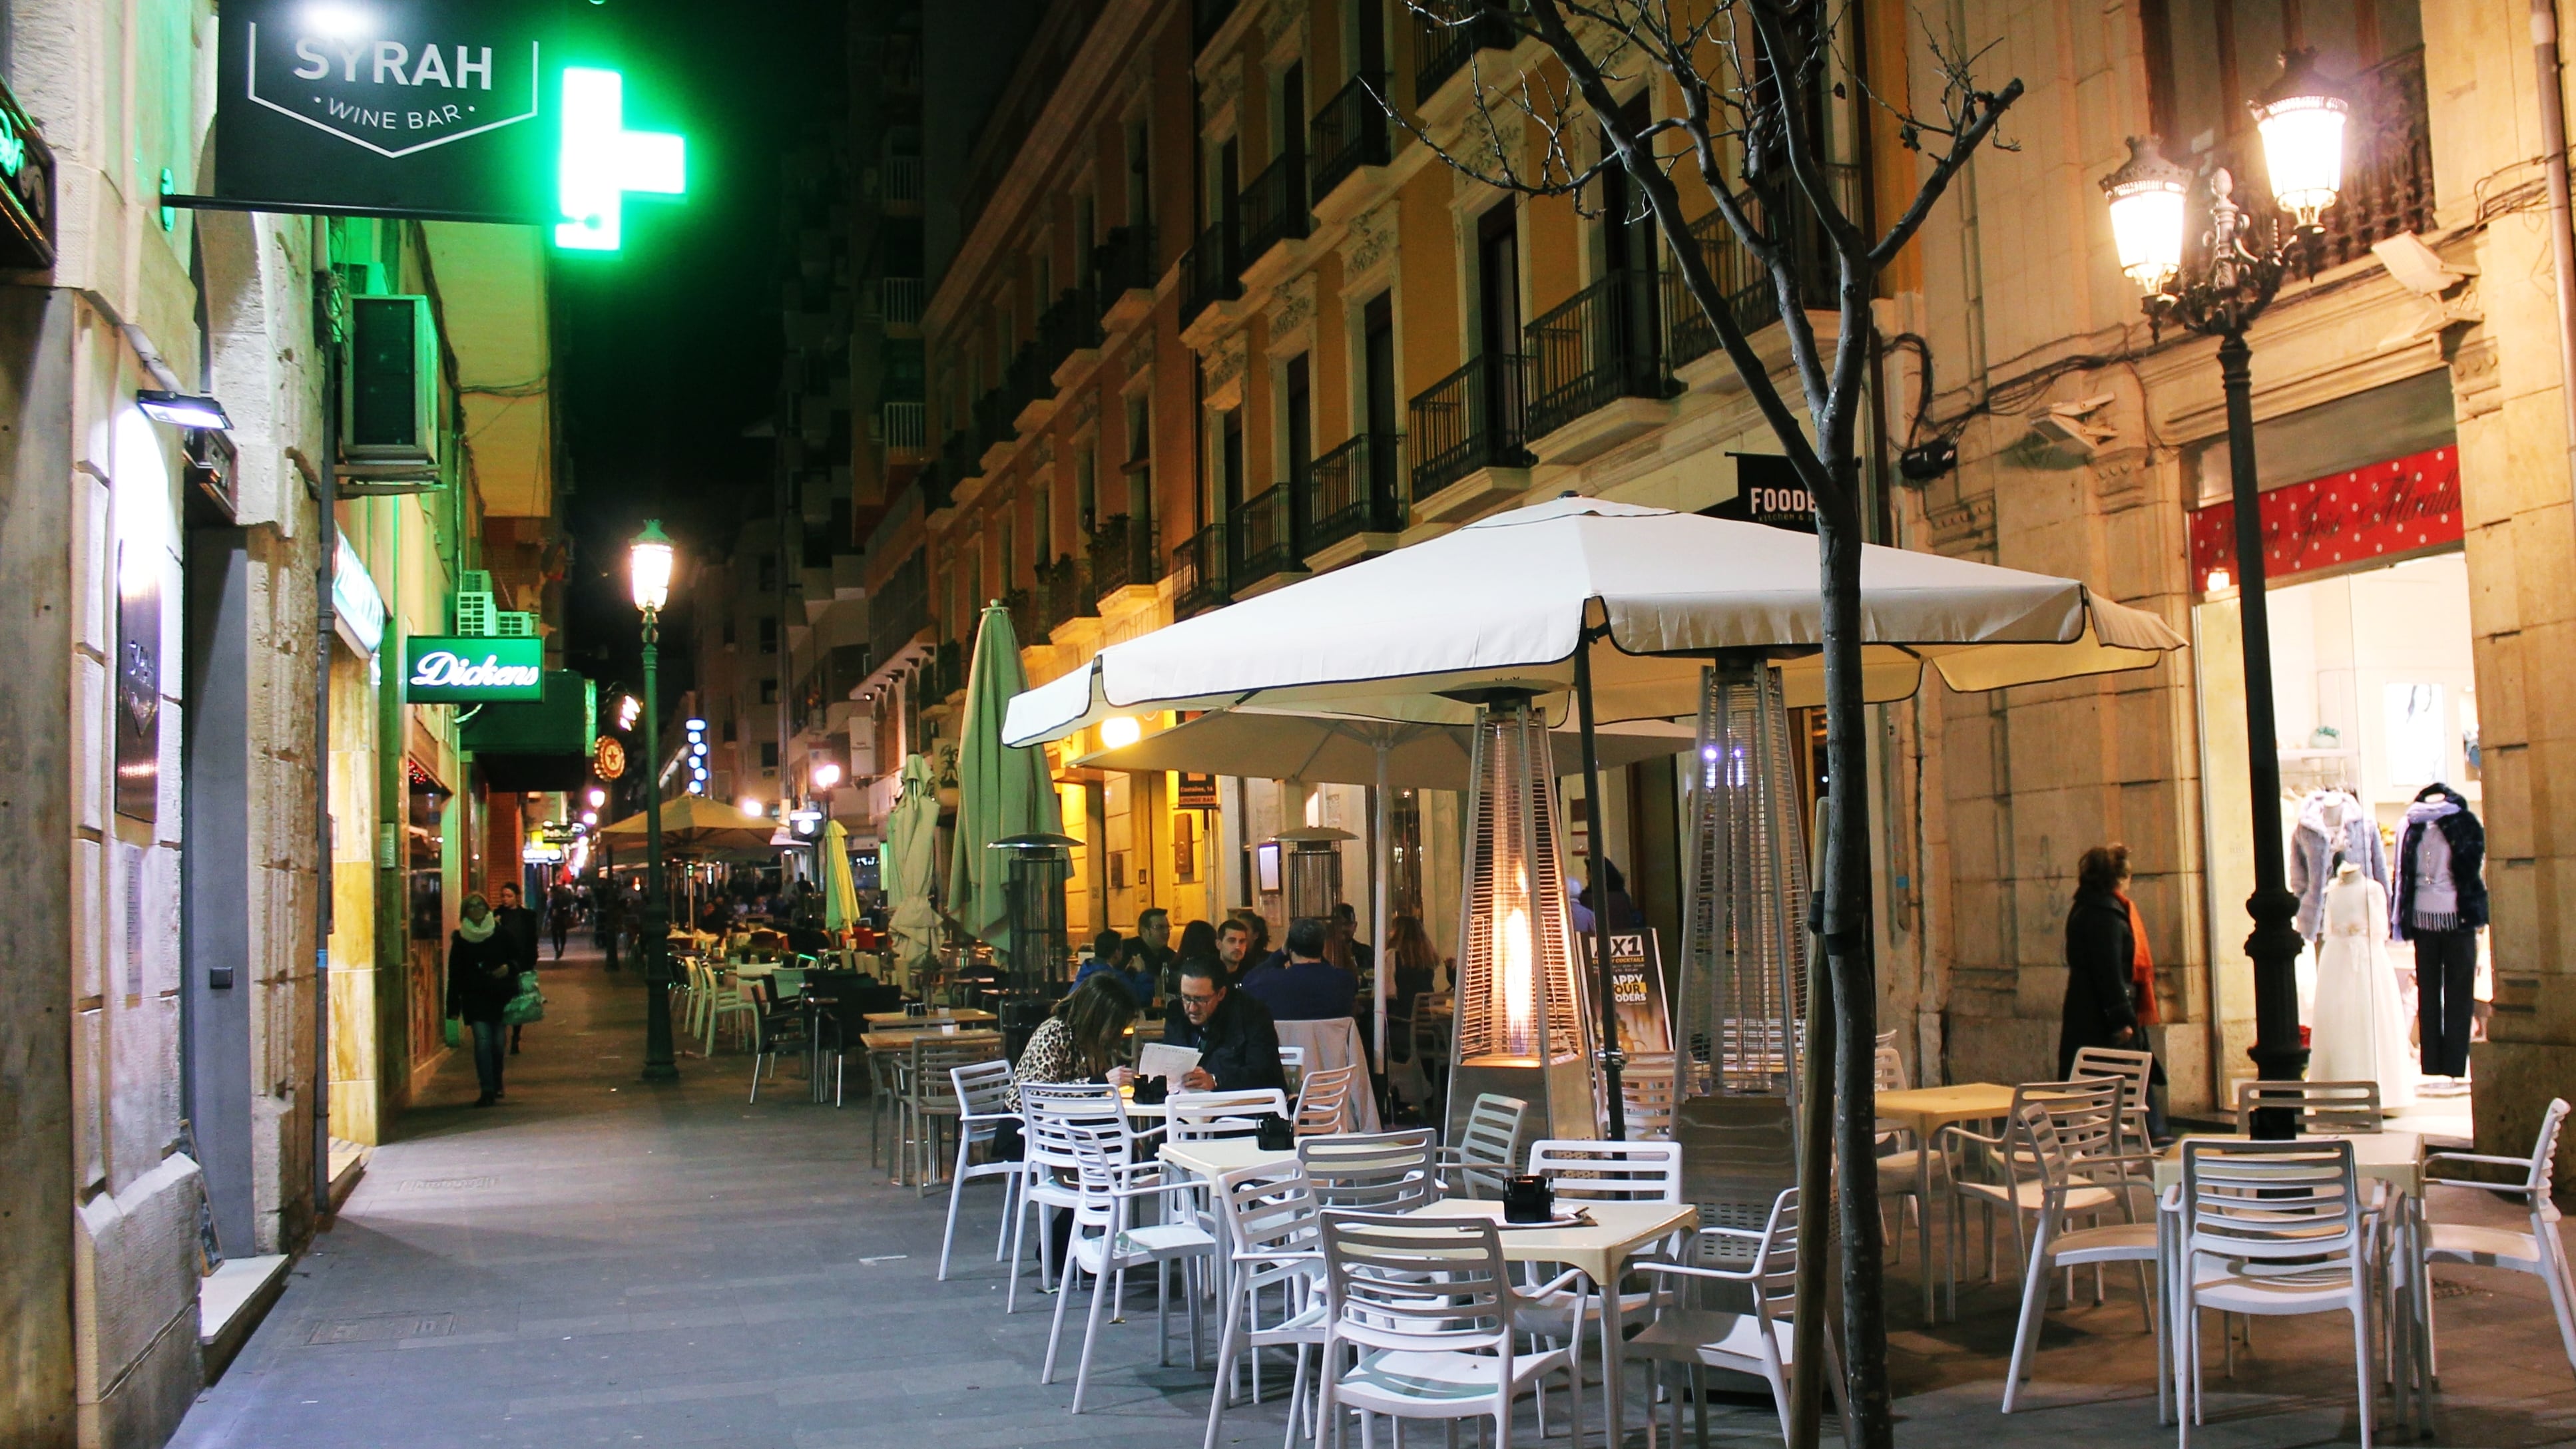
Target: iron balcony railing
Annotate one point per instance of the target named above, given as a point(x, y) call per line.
point(900, 300)
point(994, 412)
point(947, 671)
point(1603, 344)
point(1122, 555)
point(1274, 205)
point(1349, 132)
point(902, 178)
point(1206, 18)
point(1448, 32)
point(1263, 530)
point(1063, 592)
point(903, 427)
point(900, 608)
point(1071, 324)
point(1211, 272)
point(957, 458)
point(1198, 572)
point(1354, 489)
point(1752, 294)
point(1124, 262)
point(1476, 417)
point(1023, 609)
point(2387, 167)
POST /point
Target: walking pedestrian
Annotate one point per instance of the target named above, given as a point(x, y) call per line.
point(2110, 992)
point(517, 925)
point(559, 918)
point(482, 976)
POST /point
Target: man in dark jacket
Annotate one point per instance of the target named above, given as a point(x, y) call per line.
point(2099, 954)
point(518, 926)
point(1237, 1043)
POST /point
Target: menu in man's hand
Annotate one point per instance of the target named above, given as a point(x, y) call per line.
point(1172, 1063)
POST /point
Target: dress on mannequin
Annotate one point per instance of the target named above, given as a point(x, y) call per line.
point(2360, 1030)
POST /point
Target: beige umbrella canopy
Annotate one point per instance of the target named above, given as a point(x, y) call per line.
point(1322, 749)
point(694, 822)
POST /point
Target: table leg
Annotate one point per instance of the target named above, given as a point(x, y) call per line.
point(1613, 1335)
point(2168, 1338)
point(1923, 1215)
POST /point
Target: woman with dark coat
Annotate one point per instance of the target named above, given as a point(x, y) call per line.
point(2100, 950)
point(482, 976)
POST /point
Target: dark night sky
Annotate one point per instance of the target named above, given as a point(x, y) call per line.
point(667, 351)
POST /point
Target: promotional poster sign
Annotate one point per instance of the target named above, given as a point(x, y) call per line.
point(453, 110)
point(1637, 990)
point(440, 670)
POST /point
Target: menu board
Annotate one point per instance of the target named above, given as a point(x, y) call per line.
point(1637, 990)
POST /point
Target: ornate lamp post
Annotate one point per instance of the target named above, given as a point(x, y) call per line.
point(648, 573)
point(2218, 292)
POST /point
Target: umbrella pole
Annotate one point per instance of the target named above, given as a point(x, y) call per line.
point(1612, 1059)
point(1377, 914)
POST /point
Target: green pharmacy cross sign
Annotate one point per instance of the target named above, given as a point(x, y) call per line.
point(474, 670)
point(445, 110)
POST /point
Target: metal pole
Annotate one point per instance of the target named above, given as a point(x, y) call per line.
point(2274, 945)
point(2562, 245)
point(658, 1063)
point(1379, 827)
point(1612, 1059)
point(327, 535)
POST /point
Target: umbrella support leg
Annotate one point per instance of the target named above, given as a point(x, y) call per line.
point(1615, 1107)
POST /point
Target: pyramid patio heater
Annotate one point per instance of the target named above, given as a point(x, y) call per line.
point(1037, 951)
point(1521, 1027)
point(1744, 948)
point(1310, 861)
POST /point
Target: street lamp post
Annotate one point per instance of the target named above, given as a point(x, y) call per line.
point(649, 573)
point(2234, 276)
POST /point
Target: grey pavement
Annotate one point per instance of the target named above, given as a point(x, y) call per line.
point(600, 1262)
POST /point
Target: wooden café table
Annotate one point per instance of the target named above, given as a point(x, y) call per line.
point(945, 1016)
point(1924, 1111)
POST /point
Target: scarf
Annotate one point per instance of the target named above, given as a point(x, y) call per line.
point(2436, 904)
point(478, 934)
point(2142, 965)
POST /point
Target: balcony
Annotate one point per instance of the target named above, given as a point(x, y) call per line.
point(958, 459)
point(1349, 132)
point(1356, 488)
point(994, 415)
point(903, 429)
point(1211, 272)
point(1023, 609)
point(947, 672)
point(1447, 33)
point(1124, 275)
point(1070, 325)
point(1602, 345)
point(1063, 594)
point(1198, 573)
point(902, 180)
point(2387, 167)
point(1476, 417)
point(1263, 530)
point(1122, 556)
point(900, 300)
point(1207, 17)
point(900, 608)
point(1274, 207)
point(1752, 296)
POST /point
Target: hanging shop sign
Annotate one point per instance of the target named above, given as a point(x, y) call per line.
point(608, 758)
point(138, 683)
point(1194, 792)
point(439, 670)
point(2346, 519)
point(26, 189)
point(1768, 491)
point(456, 110)
point(357, 610)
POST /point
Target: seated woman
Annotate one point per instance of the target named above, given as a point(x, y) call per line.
point(1080, 1040)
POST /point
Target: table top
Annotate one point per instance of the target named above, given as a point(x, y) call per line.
point(1214, 1156)
point(1929, 1109)
point(2394, 1156)
point(903, 1041)
point(1618, 1230)
point(964, 1015)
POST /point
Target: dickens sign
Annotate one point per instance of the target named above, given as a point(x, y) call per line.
point(459, 110)
point(472, 671)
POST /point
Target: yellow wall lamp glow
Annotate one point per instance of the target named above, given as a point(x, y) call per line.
point(601, 161)
point(1120, 730)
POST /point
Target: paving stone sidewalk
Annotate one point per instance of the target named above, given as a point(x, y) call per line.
point(597, 1262)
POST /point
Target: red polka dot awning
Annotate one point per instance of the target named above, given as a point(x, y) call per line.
point(2401, 506)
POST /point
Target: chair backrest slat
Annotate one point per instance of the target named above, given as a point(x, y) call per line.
point(2271, 1201)
point(1324, 1100)
point(2321, 1106)
point(1490, 1144)
point(1379, 1172)
point(1593, 1171)
point(1412, 1283)
point(1194, 1116)
point(982, 1087)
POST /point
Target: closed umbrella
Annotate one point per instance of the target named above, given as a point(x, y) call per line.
point(908, 865)
point(840, 893)
point(1002, 790)
point(1519, 600)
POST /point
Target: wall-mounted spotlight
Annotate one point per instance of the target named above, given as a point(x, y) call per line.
point(182, 409)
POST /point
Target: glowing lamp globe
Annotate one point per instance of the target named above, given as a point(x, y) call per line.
point(2146, 198)
point(648, 567)
point(2302, 121)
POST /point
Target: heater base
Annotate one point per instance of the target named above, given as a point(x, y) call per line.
point(1737, 1155)
point(1564, 1099)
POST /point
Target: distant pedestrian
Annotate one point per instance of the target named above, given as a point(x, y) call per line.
point(518, 926)
point(482, 976)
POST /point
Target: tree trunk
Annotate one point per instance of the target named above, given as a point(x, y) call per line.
point(1848, 956)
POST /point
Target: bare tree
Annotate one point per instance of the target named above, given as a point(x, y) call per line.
point(1737, 90)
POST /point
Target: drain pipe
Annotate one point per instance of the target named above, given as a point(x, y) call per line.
point(2562, 244)
point(327, 540)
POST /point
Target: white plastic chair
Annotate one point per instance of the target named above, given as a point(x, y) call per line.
point(1197, 1116)
point(1424, 1314)
point(1646, 1098)
point(1108, 1240)
point(983, 1105)
point(2322, 1106)
point(726, 1000)
point(2271, 1229)
point(1050, 1167)
point(2063, 1146)
point(1271, 1220)
point(1761, 1343)
point(2535, 1250)
point(1324, 1101)
point(1580, 1171)
point(1375, 1172)
point(1488, 1147)
point(1900, 1160)
point(2010, 1182)
point(1292, 1065)
point(2135, 1071)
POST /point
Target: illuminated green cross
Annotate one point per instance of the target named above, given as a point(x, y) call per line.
point(602, 161)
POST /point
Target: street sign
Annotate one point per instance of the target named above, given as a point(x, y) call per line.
point(447, 110)
point(439, 670)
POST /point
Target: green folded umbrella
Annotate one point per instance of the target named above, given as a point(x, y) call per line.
point(1001, 790)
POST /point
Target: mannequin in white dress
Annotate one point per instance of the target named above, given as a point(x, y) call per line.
point(2359, 1033)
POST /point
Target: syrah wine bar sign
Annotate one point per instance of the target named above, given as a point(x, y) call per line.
point(472, 671)
point(2359, 516)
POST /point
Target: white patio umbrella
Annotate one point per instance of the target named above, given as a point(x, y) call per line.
point(1332, 749)
point(1517, 601)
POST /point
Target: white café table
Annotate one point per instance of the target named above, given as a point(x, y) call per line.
point(2393, 1158)
point(1599, 1250)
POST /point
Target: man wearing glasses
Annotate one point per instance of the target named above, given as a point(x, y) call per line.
point(1238, 1046)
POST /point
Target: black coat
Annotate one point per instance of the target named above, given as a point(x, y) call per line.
point(2468, 841)
point(2100, 956)
point(518, 926)
point(482, 975)
point(1239, 1046)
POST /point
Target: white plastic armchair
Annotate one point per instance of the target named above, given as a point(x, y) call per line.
point(2535, 1249)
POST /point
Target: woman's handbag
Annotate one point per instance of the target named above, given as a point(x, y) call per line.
point(455, 1030)
point(529, 1005)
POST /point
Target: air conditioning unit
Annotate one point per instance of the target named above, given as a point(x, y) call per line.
point(474, 613)
point(389, 389)
point(513, 625)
